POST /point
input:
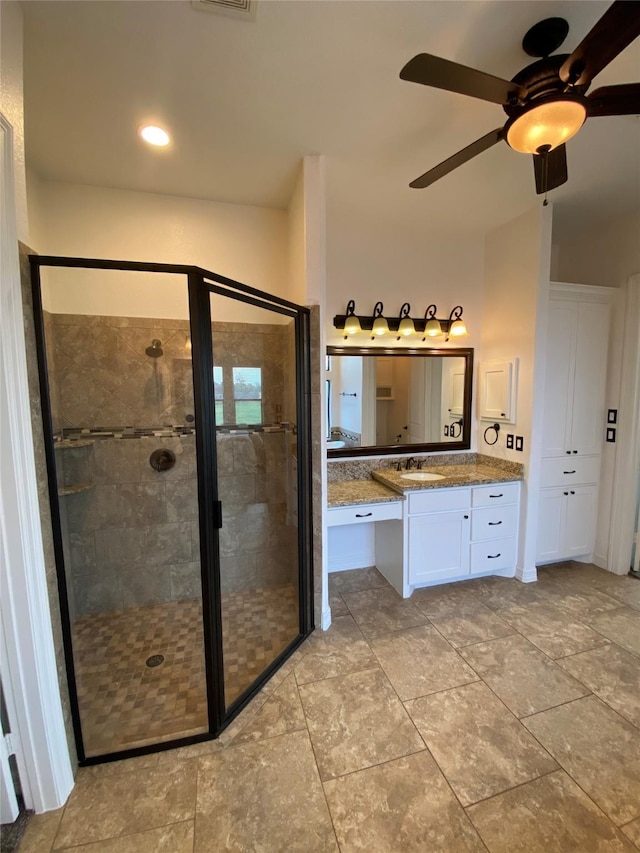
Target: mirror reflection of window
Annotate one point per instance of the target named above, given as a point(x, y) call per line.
point(218, 388)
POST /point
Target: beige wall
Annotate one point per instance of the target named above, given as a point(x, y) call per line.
point(11, 102)
point(248, 244)
point(606, 255)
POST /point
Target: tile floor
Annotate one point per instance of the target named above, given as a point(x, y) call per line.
point(125, 704)
point(489, 715)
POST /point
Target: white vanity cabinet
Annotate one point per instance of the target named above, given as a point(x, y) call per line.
point(574, 421)
point(455, 533)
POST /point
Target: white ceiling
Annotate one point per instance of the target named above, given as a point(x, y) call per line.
point(245, 101)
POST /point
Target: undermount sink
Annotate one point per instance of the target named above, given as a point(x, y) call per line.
point(422, 475)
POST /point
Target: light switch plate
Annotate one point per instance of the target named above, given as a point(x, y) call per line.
point(519, 442)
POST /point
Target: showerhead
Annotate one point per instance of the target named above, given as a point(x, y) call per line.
point(155, 350)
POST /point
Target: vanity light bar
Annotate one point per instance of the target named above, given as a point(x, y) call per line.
point(429, 325)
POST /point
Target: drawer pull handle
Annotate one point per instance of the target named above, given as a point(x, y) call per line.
point(493, 523)
point(496, 496)
point(568, 472)
point(492, 556)
point(363, 514)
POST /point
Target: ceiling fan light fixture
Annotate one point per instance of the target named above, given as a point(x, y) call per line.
point(546, 125)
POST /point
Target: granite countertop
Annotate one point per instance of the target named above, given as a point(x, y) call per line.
point(469, 474)
point(386, 484)
point(353, 492)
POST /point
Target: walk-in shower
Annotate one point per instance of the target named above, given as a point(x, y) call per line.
point(177, 425)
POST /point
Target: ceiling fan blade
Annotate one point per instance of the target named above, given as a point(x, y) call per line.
point(458, 159)
point(616, 29)
point(550, 169)
point(443, 74)
point(621, 100)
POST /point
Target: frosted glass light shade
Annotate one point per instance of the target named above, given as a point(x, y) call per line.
point(380, 326)
point(352, 325)
point(433, 328)
point(406, 327)
point(551, 123)
point(458, 329)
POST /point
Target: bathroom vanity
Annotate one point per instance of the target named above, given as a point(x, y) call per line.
point(441, 524)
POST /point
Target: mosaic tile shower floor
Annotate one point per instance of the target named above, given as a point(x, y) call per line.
point(126, 704)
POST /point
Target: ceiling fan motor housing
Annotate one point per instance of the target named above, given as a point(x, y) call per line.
point(542, 80)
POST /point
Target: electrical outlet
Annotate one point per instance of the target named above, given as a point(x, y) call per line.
point(519, 442)
point(611, 434)
point(509, 441)
point(446, 429)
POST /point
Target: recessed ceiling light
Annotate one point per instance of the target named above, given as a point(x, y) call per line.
point(155, 135)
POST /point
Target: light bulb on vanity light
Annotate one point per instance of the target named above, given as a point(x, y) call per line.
point(457, 326)
point(406, 326)
point(351, 322)
point(432, 327)
point(380, 326)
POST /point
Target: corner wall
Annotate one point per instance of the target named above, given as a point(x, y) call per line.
point(517, 267)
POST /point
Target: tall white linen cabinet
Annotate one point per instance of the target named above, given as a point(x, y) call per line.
point(574, 420)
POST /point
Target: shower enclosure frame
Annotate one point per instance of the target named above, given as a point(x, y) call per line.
point(201, 284)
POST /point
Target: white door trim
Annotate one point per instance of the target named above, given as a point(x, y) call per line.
point(623, 508)
point(28, 658)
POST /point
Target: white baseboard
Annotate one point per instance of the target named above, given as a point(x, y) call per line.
point(600, 560)
point(527, 575)
point(344, 562)
point(326, 619)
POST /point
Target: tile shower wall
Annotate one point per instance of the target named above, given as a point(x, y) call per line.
point(131, 533)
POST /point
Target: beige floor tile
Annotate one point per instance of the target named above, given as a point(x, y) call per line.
point(337, 605)
point(188, 753)
point(40, 832)
point(500, 593)
point(281, 713)
point(464, 629)
point(479, 745)
point(447, 600)
point(581, 603)
point(176, 838)
point(548, 815)
point(548, 627)
point(101, 808)
point(632, 831)
point(356, 721)
point(340, 650)
point(403, 806)
point(356, 580)
point(622, 626)
point(525, 679)
point(612, 674)
point(114, 768)
point(418, 661)
point(625, 589)
point(379, 611)
point(263, 796)
point(599, 749)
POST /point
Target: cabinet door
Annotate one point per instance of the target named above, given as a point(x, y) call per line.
point(551, 523)
point(580, 523)
point(560, 371)
point(438, 546)
point(587, 422)
point(496, 390)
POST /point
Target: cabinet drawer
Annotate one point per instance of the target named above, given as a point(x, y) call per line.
point(439, 500)
point(569, 471)
point(501, 493)
point(494, 522)
point(494, 555)
point(364, 513)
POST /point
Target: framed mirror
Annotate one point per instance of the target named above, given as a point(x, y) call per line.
point(382, 401)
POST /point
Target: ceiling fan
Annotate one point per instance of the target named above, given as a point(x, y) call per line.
point(546, 102)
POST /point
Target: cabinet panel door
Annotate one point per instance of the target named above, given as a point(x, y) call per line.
point(559, 378)
point(551, 522)
point(438, 546)
point(580, 524)
point(587, 423)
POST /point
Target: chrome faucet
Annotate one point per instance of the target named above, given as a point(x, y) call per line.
point(399, 465)
point(421, 463)
point(409, 463)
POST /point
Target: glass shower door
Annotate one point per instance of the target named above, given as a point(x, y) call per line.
point(255, 386)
